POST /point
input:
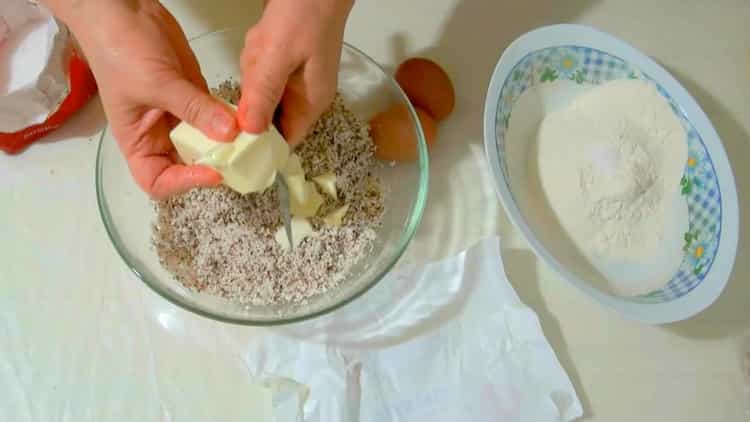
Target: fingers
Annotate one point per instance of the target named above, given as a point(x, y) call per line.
point(265, 73)
point(189, 103)
point(307, 96)
point(296, 118)
point(153, 161)
point(161, 178)
point(176, 179)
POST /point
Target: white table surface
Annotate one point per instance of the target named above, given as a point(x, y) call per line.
point(79, 337)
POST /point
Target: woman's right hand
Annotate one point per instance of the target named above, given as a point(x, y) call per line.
point(148, 78)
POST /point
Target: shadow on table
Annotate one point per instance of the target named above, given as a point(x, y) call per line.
point(520, 265)
point(88, 122)
point(215, 17)
point(730, 315)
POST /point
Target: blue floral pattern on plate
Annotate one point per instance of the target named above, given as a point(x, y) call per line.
point(699, 185)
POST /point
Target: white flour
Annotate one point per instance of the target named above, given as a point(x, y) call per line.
point(608, 165)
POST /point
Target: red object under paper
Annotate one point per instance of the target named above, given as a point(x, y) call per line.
point(82, 88)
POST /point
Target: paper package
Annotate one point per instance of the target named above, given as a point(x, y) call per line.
point(43, 78)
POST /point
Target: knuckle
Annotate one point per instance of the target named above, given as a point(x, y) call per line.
point(156, 188)
point(153, 194)
point(162, 76)
point(266, 87)
point(252, 37)
point(253, 49)
point(148, 185)
point(271, 85)
point(280, 48)
point(192, 109)
point(249, 61)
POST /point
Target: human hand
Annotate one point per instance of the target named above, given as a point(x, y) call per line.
point(148, 78)
point(291, 59)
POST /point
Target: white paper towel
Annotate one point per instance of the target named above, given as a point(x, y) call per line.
point(489, 361)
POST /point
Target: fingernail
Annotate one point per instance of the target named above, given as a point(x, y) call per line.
point(222, 123)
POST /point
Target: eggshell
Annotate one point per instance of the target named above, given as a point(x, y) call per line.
point(428, 86)
point(393, 133)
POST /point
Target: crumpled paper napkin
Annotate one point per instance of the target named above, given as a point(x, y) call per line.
point(486, 360)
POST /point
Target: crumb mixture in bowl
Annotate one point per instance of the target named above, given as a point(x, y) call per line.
point(216, 241)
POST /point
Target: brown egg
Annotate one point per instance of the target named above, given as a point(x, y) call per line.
point(427, 86)
point(393, 133)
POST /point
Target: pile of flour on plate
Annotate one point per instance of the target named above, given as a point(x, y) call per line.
point(609, 165)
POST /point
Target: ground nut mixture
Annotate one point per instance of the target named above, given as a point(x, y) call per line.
point(220, 242)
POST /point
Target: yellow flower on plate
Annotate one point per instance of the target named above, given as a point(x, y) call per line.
point(692, 162)
point(565, 65)
point(699, 251)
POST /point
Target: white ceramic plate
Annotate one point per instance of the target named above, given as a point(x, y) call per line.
point(586, 56)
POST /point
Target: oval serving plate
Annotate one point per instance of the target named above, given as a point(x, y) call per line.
point(587, 56)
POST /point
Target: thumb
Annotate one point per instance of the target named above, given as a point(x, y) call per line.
point(189, 103)
point(263, 82)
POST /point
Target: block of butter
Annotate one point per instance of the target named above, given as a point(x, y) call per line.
point(248, 164)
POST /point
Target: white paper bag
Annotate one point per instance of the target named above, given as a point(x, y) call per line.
point(33, 65)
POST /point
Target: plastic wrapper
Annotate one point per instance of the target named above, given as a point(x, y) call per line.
point(43, 78)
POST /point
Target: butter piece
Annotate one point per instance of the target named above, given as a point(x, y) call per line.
point(304, 199)
point(327, 183)
point(293, 166)
point(248, 164)
point(298, 190)
point(301, 228)
point(310, 203)
point(295, 179)
point(336, 217)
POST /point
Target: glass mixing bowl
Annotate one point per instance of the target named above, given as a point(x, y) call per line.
point(128, 214)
